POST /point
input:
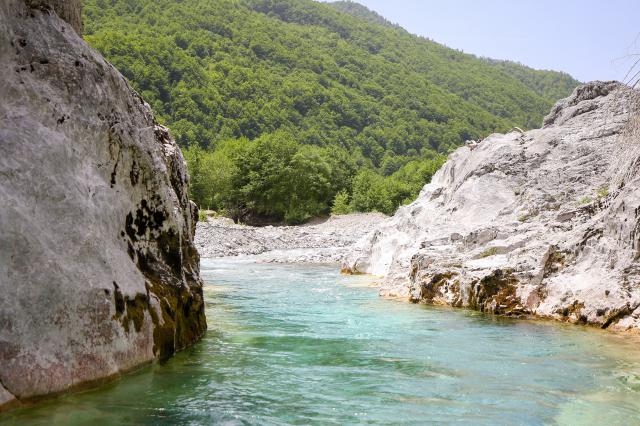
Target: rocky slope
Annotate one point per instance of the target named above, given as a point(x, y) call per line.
point(98, 271)
point(323, 242)
point(544, 223)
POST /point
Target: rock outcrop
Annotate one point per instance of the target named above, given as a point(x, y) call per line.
point(98, 271)
point(69, 11)
point(543, 223)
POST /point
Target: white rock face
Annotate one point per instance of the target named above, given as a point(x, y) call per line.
point(98, 272)
point(540, 223)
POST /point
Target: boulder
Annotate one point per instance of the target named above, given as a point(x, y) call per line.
point(542, 223)
point(98, 271)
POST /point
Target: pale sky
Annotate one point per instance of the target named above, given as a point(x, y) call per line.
point(589, 39)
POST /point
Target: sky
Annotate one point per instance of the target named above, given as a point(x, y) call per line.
point(589, 39)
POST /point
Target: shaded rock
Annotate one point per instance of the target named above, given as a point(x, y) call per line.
point(6, 398)
point(69, 11)
point(98, 271)
point(543, 223)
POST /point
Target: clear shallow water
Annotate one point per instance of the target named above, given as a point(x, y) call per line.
point(301, 344)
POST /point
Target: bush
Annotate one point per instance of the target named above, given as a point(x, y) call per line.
point(491, 251)
point(370, 193)
point(341, 203)
point(373, 192)
point(585, 200)
point(603, 192)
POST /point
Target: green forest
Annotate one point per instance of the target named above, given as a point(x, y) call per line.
point(291, 109)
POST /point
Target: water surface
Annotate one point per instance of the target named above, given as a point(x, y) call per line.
point(304, 345)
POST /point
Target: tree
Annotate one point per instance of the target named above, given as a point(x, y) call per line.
point(290, 100)
point(341, 203)
point(370, 194)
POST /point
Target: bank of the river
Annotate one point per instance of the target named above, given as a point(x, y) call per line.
point(321, 241)
point(302, 344)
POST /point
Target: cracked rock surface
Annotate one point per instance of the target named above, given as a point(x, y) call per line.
point(543, 223)
point(98, 271)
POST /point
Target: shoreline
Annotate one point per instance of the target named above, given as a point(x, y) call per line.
point(546, 319)
point(326, 241)
point(377, 282)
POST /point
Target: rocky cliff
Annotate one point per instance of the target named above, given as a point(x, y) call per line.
point(98, 271)
point(543, 223)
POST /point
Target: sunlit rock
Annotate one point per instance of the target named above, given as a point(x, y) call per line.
point(98, 272)
point(542, 223)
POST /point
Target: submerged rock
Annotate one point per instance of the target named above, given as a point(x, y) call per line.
point(98, 271)
point(543, 223)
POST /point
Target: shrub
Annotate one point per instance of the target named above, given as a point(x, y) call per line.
point(491, 251)
point(370, 193)
point(585, 200)
point(341, 203)
point(603, 191)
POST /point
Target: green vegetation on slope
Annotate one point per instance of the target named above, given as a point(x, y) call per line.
point(284, 104)
point(274, 176)
point(360, 11)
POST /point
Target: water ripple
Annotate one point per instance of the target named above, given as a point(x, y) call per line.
point(294, 344)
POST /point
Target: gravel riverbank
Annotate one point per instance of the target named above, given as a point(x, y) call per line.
point(325, 241)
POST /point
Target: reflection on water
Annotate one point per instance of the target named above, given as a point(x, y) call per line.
point(302, 344)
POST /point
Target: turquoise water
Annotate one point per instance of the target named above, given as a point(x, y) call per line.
point(304, 345)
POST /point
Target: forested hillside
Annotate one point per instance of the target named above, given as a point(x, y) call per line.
point(360, 11)
point(288, 105)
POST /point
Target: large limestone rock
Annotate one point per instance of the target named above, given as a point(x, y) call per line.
point(69, 11)
point(544, 223)
point(98, 272)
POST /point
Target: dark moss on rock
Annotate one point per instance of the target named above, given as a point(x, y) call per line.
point(169, 263)
point(496, 294)
point(618, 314)
point(555, 262)
point(432, 290)
point(118, 300)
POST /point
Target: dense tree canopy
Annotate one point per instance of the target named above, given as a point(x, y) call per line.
point(285, 104)
point(359, 11)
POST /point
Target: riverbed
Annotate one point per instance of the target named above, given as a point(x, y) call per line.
point(302, 344)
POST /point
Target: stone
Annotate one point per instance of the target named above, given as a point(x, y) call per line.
point(98, 270)
point(69, 11)
point(548, 228)
point(321, 241)
point(6, 398)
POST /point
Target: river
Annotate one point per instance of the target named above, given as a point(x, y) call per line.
point(292, 344)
